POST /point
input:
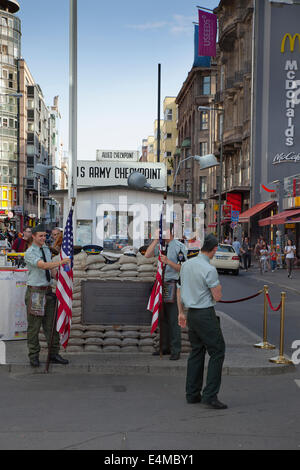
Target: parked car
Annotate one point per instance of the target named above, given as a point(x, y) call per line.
point(119, 244)
point(226, 259)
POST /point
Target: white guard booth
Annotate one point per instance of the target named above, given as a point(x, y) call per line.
point(109, 214)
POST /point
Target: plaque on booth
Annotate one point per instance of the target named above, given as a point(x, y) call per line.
point(115, 302)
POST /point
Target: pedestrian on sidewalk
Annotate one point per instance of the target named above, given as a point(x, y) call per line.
point(273, 258)
point(263, 261)
point(246, 252)
point(289, 252)
point(199, 289)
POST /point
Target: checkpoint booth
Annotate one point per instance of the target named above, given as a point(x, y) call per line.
point(112, 288)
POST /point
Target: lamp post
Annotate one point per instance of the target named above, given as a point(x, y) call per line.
point(195, 157)
point(222, 111)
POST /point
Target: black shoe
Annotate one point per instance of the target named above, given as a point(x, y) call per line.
point(196, 399)
point(57, 359)
point(34, 362)
point(215, 404)
point(174, 357)
point(157, 353)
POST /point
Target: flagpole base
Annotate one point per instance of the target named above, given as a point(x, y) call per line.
point(281, 360)
point(264, 345)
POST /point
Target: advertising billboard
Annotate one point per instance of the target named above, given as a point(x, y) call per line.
point(276, 149)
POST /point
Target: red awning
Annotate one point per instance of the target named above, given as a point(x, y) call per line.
point(280, 218)
point(245, 216)
point(212, 225)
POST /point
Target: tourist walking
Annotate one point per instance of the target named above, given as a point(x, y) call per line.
point(289, 252)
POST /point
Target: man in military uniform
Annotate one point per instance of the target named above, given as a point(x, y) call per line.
point(176, 252)
point(199, 290)
point(39, 299)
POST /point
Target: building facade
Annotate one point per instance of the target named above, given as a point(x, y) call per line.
point(233, 97)
point(29, 132)
point(195, 136)
point(169, 136)
point(10, 53)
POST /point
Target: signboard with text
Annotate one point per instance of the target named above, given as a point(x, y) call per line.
point(96, 173)
point(117, 155)
point(277, 95)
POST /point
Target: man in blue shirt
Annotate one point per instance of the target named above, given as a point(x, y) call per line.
point(39, 299)
point(199, 290)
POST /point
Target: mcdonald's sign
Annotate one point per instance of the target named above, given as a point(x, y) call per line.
point(292, 41)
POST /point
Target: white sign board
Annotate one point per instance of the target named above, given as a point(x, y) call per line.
point(117, 155)
point(94, 173)
point(13, 318)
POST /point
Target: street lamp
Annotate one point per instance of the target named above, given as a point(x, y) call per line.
point(42, 170)
point(221, 110)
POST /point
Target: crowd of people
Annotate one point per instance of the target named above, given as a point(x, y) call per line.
point(19, 242)
point(267, 256)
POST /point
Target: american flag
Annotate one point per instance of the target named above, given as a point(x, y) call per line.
point(64, 288)
point(155, 300)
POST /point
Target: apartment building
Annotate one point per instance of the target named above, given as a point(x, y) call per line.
point(10, 52)
point(233, 97)
point(195, 135)
point(169, 136)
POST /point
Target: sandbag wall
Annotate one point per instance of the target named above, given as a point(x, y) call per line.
point(111, 338)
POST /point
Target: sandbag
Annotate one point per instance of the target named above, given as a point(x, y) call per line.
point(127, 259)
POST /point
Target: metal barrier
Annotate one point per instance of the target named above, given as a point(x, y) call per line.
point(265, 344)
point(281, 359)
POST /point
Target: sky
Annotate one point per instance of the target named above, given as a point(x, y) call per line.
point(120, 45)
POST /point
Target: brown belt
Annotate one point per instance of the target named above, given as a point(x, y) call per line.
point(37, 288)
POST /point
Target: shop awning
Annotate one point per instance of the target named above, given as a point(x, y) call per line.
point(281, 218)
point(245, 216)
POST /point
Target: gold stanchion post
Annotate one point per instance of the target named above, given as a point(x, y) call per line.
point(281, 359)
point(264, 344)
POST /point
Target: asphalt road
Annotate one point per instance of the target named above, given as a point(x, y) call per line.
point(94, 412)
point(250, 312)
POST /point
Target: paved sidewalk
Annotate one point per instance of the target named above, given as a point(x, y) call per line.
point(241, 359)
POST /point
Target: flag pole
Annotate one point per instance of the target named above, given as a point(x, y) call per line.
point(162, 307)
point(51, 338)
point(73, 109)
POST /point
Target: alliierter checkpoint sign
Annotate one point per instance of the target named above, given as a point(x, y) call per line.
point(96, 173)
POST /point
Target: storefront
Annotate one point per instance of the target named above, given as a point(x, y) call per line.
point(287, 223)
point(251, 220)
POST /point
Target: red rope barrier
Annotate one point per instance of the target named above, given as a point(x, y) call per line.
point(240, 300)
point(269, 300)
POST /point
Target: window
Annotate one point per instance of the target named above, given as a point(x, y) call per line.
point(206, 85)
point(203, 120)
point(203, 187)
point(203, 149)
point(168, 115)
point(221, 125)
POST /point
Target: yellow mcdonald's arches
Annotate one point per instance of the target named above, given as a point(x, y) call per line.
point(292, 40)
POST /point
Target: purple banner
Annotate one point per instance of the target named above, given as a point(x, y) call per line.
point(207, 34)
